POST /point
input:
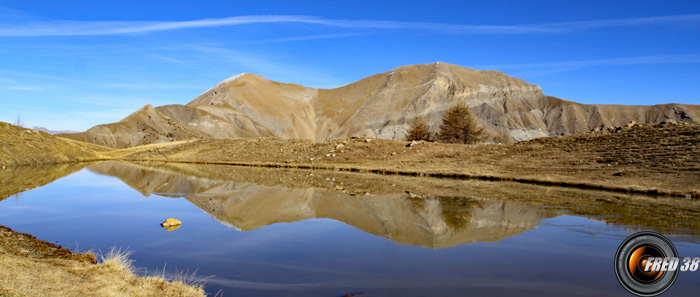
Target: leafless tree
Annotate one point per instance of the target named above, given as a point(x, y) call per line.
point(18, 121)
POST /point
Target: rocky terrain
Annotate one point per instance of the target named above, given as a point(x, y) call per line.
point(379, 106)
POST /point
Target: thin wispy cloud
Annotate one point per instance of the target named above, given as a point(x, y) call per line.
point(22, 88)
point(165, 58)
point(77, 28)
point(226, 58)
point(531, 70)
point(300, 38)
point(641, 60)
point(657, 20)
point(23, 106)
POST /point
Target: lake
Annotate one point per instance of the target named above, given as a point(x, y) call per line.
point(275, 232)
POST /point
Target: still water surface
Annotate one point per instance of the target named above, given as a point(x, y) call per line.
point(265, 232)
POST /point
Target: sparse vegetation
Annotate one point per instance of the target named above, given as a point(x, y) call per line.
point(458, 126)
point(419, 130)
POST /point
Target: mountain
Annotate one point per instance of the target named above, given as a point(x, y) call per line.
point(53, 132)
point(247, 105)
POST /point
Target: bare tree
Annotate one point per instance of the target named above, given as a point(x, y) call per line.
point(458, 126)
point(418, 130)
point(18, 122)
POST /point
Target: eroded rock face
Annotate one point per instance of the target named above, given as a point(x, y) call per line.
point(379, 106)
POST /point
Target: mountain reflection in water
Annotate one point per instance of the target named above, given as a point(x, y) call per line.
point(405, 218)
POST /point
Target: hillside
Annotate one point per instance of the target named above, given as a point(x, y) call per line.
point(20, 146)
point(379, 106)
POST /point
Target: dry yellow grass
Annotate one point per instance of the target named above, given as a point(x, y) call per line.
point(19, 146)
point(30, 267)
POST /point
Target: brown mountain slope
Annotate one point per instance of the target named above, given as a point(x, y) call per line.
point(378, 106)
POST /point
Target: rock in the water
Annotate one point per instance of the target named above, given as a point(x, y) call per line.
point(171, 223)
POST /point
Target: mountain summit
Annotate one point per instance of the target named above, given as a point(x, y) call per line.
point(381, 106)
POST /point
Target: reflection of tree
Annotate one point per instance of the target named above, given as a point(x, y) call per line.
point(455, 210)
point(17, 197)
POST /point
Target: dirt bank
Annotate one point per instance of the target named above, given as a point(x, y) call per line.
point(656, 159)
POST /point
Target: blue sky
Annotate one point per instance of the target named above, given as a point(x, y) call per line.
point(76, 64)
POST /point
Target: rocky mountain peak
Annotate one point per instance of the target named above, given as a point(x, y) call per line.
point(381, 106)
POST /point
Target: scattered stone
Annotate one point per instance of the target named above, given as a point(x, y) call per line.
point(339, 146)
point(368, 140)
point(337, 187)
point(413, 142)
point(412, 195)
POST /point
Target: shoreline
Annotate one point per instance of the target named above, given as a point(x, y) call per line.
point(33, 267)
point(445, 175)
point(645, 159)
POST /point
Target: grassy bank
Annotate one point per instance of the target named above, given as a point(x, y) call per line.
point(32, 267)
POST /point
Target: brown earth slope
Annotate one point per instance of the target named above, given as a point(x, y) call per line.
point(662, 158)
point(379, 106)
